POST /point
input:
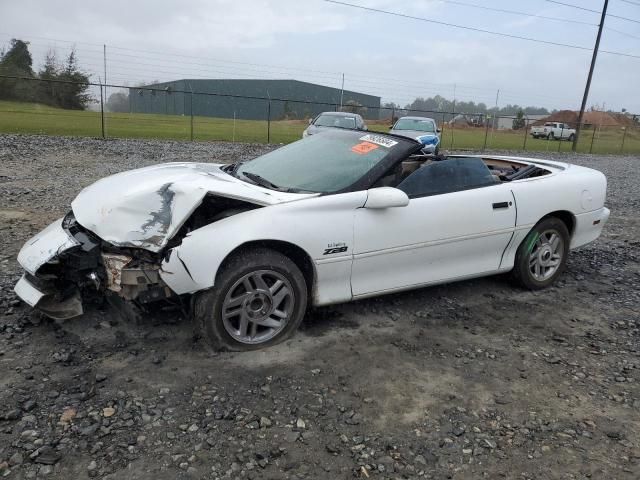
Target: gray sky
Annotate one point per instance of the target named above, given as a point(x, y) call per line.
point(396, 58)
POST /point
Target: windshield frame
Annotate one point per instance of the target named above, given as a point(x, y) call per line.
point(366, 181)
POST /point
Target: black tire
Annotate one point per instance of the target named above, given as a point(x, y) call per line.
point(208, 305)
point(522, 271)
point(572, 137)
point(551, 136)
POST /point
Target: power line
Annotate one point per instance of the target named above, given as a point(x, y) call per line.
point(515, 12)
point(622, 33)
point(570, 5)
point(632, 3)
point(474, 29)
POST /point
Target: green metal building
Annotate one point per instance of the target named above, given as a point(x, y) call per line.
point(246, 99)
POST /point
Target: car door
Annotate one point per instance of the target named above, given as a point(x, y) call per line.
point(449, 230)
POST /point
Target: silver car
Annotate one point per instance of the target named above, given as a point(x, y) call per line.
point(334, 120)
point(423, 129)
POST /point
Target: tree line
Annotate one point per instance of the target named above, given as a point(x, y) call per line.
point(442, 104)
point(16, 61)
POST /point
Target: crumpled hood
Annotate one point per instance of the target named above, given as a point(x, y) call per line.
point(145, 207)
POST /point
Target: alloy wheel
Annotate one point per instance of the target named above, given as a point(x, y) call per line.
point(258, 306)
point(545, 257)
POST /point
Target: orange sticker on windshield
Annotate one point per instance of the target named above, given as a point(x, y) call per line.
point(364, 148)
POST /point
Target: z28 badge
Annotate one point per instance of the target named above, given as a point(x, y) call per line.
point(337, 247)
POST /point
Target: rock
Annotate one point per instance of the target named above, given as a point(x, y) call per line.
point(45, 470)
point(16, 459)
point(300, 424)
point(92, 466)
point(420, 459)
point(193, 428)
point(108, 412)
point(265, 422)
point(100, 377)
point(48, 456)
point(292, 436)
point(14, 414)
point(68, 414)
point(29, 405)
point(490, 443)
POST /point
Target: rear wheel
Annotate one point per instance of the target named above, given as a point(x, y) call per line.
point(551, 136)
point(542, 256)
point(259, 300)
point(572, 137)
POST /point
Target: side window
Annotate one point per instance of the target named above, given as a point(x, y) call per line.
point(445, 176)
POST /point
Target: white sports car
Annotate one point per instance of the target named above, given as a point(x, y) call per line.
point(328, 219)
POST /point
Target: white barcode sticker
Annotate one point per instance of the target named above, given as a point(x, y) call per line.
point(379, 140)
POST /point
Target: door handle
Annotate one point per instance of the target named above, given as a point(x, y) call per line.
point(499, 205)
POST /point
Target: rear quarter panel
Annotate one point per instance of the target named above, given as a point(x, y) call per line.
point(578, 190)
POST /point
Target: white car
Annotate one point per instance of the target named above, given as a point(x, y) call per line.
point(554, 130)
point(332, 218)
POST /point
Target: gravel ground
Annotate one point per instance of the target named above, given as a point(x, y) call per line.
point(477, 379)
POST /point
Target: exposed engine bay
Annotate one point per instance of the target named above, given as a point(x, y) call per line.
point(94, 267)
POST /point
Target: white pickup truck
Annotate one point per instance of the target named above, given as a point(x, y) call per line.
point(553, 130)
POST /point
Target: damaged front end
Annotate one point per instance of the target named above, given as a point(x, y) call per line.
point(66, 264)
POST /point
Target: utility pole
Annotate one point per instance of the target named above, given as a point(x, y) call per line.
point(342, 92)
point(496, 109)
point(104, 58)
point(588, 86)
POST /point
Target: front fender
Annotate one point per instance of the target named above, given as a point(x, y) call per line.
point(313, 224)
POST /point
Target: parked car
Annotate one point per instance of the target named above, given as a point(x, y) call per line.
point(554, 130)
point(332, 218)
point(422, 129)
point(327, 120)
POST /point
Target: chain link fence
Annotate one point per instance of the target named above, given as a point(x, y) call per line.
point(180, 115)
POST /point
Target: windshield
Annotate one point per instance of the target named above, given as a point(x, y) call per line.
point(337, 121)
point(420, 125)
point(324, 163)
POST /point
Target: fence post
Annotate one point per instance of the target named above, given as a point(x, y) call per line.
point(191, 112)
point(269, 122)
point(486, 132)
point(101, 112)
point(526, 134)
point(624, 135)
point(442, 130)
point(592, 138)
point(561, 133)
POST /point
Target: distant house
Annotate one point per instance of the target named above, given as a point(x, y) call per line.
point(248, 99)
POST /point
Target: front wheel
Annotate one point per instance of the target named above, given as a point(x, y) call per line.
point(542, 256)
point(551, 136)
point(259, 300)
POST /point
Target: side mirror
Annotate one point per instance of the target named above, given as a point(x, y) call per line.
point(386, 197)
point(438, 130)
point(365, 128)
